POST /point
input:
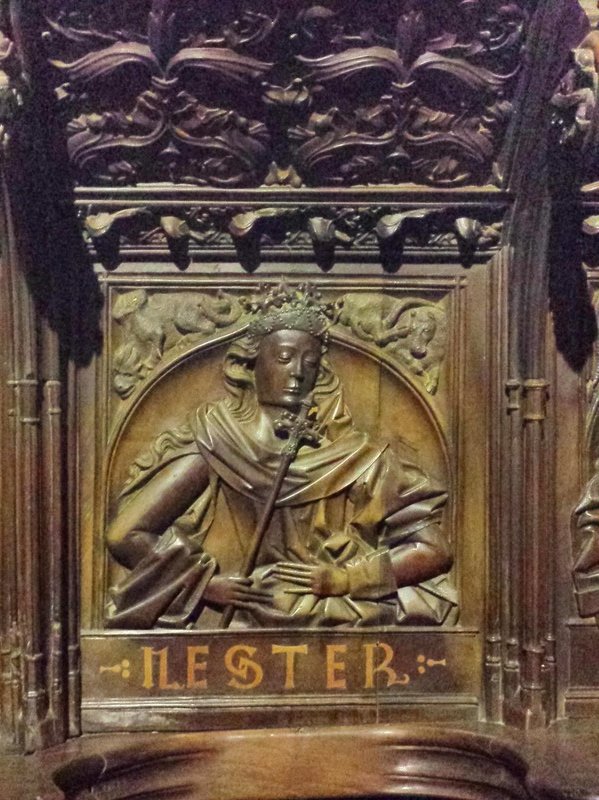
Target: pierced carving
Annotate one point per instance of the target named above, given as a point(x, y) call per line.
point(286, 95)
point(575, 103)
point(12, 87)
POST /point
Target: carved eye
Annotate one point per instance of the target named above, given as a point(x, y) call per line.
point(284, 357)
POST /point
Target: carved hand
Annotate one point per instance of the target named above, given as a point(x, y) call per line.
point(231, 590)
point(323, 580)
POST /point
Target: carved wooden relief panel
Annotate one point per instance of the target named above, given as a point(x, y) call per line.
point(308, 460)
point(582, 399)
point(376, 489)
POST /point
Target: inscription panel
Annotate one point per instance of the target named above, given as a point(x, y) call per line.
point(201, 671)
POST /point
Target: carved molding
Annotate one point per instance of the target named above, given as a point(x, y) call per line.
point(278, 95)
point(323, 230)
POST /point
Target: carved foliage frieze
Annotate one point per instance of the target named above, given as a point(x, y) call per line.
point(278, 94)
point(407, 331)
point(323, 230)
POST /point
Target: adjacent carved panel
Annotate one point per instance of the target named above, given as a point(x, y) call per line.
point(585, 516)
point(285, 95)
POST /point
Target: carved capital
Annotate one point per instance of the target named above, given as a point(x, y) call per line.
point(535, 393)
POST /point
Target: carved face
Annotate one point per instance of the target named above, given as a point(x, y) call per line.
point(286, 368)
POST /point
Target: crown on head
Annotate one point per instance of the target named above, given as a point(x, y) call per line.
point(298, 308)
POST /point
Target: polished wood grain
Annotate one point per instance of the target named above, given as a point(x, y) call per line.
point(431, 170)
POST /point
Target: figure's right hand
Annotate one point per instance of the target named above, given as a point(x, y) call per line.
point(232, 590)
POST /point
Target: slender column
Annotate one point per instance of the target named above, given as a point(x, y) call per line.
point(535, 393)
point(511, 486)
point(497, 527)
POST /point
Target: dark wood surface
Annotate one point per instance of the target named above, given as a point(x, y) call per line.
point(430, 164)
point(469, 761)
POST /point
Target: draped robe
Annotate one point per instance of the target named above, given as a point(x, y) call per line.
point(346, 502)
point(586, 557)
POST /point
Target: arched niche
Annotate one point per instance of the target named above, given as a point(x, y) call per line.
point(383, 399)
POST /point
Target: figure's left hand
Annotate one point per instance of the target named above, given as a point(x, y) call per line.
point(323, 580)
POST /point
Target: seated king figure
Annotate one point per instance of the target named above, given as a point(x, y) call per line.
point(354, 537)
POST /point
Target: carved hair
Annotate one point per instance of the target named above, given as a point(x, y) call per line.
point(238, 371)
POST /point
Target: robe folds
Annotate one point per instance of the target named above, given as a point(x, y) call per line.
point(346, 502)
point(586, 556)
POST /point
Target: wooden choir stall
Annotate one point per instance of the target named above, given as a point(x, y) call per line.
point(299, 399)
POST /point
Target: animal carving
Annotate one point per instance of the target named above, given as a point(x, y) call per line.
point(411, 331)
point(150, 325)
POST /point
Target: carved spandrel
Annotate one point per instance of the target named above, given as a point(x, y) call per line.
point(221, 514)
point(286, 95)
point(409, 331)
point(154, 324)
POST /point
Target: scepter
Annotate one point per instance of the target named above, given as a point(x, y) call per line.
point(298, 429)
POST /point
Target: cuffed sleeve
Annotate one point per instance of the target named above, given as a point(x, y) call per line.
point(371, 576)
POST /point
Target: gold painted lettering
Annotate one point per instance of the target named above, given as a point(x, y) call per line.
point(371, 670)
point(335, 680)
point(194, 667)
point(148, 682)
point(250, 672)
point(290, 652)
point(163, 682)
